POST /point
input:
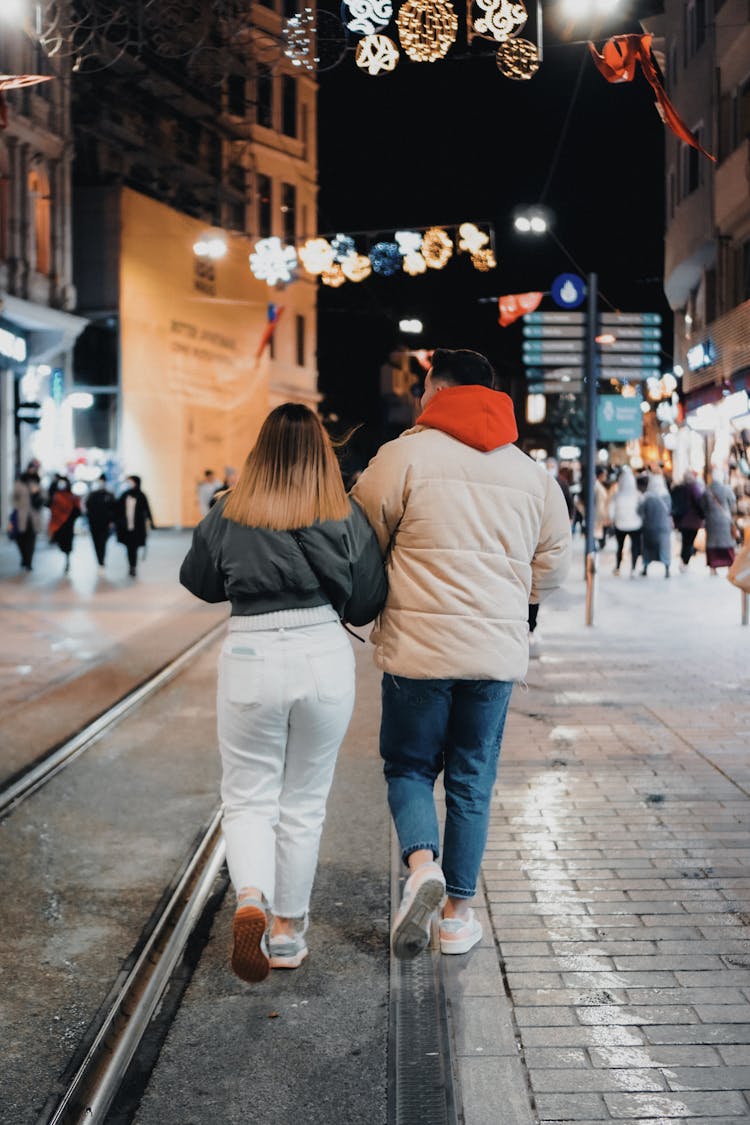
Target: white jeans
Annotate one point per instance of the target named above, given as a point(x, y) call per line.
point(285, 699)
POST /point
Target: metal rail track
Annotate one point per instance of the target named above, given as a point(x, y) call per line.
point(39, 773)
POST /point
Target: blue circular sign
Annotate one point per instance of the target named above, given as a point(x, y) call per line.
point(568, 291)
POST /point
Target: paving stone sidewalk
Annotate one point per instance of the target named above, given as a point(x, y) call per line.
point(616, 875)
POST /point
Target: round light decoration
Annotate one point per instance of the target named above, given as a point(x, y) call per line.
point(471, 238)
point(367, 16)
point(356, 267)
point(408, 241)
point(502, 19)
point(377, 54)
point(299, 39)
point(437, 248)
point(273, 262)
point(414, 264)
point(343, 246)
point(518, 59)
point(333, 277)
point(385, 258)
point(483, 260)
point(427, 29)
point(317, 255)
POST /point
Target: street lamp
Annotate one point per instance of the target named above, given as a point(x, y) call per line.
point(411, 326)
point(211, 246)
point(532, 220)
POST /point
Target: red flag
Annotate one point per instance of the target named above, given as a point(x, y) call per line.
point(274, 316)
point(617, 63)
point(514, 305)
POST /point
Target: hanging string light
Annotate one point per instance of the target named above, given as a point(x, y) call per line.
point(342, 245)
point(317, 255)
point(356, 267)
point(414, 264)
point(334, 276)
point(427, 29)
point(368, 16)
point(517, 59)
point(483, 260)
point(377, 54)
point(471, 238)
point(299, 39)
point(273, 262)
point(408, 241)
point(502, 19)
point(437, 248)
point(385, 258)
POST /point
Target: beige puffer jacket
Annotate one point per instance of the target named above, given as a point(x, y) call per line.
point(473, 530)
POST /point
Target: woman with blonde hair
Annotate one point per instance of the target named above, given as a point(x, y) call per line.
point(295, 558)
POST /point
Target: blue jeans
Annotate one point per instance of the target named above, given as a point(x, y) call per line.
point(450, 725)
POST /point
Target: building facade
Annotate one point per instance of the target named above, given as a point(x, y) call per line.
point(705, 46)
point(37, 329)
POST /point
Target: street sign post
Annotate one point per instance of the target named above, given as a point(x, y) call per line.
point(618, 318)
point(619, 419)
point(568, 291)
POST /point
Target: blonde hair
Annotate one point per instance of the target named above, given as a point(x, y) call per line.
point(291, 477)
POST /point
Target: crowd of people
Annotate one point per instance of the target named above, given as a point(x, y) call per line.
point(57, 508)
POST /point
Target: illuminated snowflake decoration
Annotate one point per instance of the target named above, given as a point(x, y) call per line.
point(368, 15)
point(299, 40)
point(517, 59)
point(317, 255)
point(334, 276)
point(273, 262)
point(502, 19)
point(437, 248)
point(427, 29)
point(471, 238)
point(356, 267)
point(343, 246)
point(385, 258)
point(409, 241)
point(414, 264)
point(377, 54)
point(483, 260)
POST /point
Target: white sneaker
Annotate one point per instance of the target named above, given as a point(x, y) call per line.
point(459, 935)
point(423, 893)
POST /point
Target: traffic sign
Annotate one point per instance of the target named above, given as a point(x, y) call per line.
point(568, 290)
point(553, 318)
point(618, 318)
point(631, 346)
point(553, 331)
point(533, 347)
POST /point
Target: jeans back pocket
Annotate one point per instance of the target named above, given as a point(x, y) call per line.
point(242, 675)
point(333, 673)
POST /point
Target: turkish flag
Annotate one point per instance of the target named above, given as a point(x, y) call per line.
point(513, 305)
point(274, 316)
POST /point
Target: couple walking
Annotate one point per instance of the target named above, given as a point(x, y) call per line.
point(450, 534)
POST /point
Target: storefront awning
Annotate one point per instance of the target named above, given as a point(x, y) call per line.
point(48, 331)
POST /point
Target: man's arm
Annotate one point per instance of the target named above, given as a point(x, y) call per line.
point(381, 491)
point(551, 560)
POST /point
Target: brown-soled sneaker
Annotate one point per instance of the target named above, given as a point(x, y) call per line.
point(249, 950)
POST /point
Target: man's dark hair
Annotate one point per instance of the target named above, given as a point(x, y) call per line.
point(135, 479)
point(462, 368)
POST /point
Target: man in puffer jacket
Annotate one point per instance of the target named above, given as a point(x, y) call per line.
point(473, 531)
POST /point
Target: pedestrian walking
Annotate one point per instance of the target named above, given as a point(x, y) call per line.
point(230, 480)
point(687, 513)
point(133, 519)
point(26, 517)
point(474, 531)
point(656, 514)
point(626, 518)
point(719, 507)
point(206, 490)
point(294, 557)
point(100, 511)
point(64, 511)
point(601, 506)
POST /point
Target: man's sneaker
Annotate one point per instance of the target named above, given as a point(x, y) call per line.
point(249, 949)
point(287, 951)
point(459, 935)
point(423, 893)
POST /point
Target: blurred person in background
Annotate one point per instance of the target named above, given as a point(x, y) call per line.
point(719, 507)
point(133, 520)
point(601, 506)
point(27, 514)
point(65, 508)
point(656, 515)
point(230, 480)
point(100, 512)
point(626, 518)
point(206, 490)
point(687, 513)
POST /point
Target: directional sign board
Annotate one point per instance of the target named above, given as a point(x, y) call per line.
point(618, 418)
point(553, 331)
point(554, 318)
point(629, 362)
point(634, 331)
point(631, 346)
point(555, 387)
point(619, 318)
point(532, 346)
point(553, 359)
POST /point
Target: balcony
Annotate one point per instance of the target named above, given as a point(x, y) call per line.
point(732, 194)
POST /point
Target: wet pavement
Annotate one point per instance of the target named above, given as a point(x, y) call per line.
point(613, 982)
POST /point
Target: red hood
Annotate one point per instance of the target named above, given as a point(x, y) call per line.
point(477, 416)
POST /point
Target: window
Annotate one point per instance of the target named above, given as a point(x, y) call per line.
point(236, 95)
point(236, 177)
point(288, 105)
point(695, 26)
point(264, 188)
point(299, 322)
point(744, 287)
point(264, 96)
point(671, 194)
point(38, 184)
point(692, 168)
point(671, 64)
point(742, 113)
point(289, 212)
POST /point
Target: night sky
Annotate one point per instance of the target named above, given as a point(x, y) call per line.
point(454, 141)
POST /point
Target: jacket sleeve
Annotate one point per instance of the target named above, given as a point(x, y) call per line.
point(551, 561)
point(199, 572)
point(381, 491)
point(369, 586)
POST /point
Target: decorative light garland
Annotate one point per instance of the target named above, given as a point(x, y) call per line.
point(386, 258)
point(377, 54)
point(334, 276)
point(317, 255)
point(427, 29)
point(502, 20)
point(299, 39)
point(356, 267)
point(414, 264)
point(273, 262)
point(368, 16)
point(437, 248)
point(484, 260)
point(343, 246)
point(471, 238)
point(518, 59)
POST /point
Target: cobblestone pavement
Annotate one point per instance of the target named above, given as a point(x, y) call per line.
point(616, 875)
